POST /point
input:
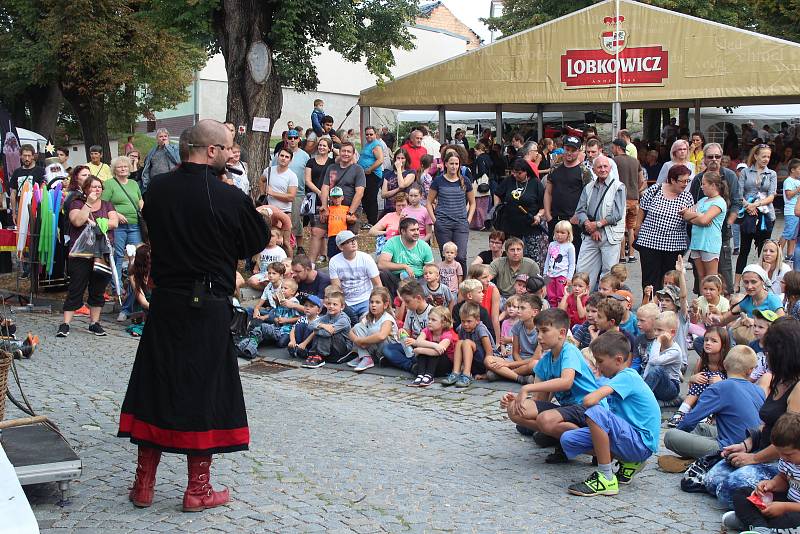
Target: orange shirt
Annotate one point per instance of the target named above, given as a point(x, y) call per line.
point(337, 219)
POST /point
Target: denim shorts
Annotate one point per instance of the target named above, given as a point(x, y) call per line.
point(626, 443)
point(790, 227)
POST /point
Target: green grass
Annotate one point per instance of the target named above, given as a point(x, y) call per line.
point(142, 142)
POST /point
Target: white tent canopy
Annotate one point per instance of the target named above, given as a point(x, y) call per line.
point(31, 138)
point(470, 117)
point(758, 115)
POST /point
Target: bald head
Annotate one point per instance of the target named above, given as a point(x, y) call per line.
point(602, 167)
point(208, 143)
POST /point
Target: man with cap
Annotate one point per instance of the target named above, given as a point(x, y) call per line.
point(355, 273)
point(563, 190)
point(96, 165)
point(298, 166)
point(163, 157)
point(712, 158)
point(601, 217)
point(630, 173)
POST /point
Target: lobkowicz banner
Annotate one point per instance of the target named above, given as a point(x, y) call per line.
point(637, 65)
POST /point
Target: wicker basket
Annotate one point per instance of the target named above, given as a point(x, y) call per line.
point(5, 362)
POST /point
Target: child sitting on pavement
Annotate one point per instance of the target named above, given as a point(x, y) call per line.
point(272, 253)
point(436, 340)
point(269, 296)
point(575, 297)
point(586, 332)
point(563, 373)
point(525, 346)
point(511, 314)
point(761, 321)
point(608, 284)
point(646, 317)
point(621, 272)
point(470, 290)
point(626, 429)
point(436, 293)
point(734, 403)
point(674, 298)
point(475, 342)
point(780, 495)
point(277, 325)
point(373, 334)
point(663, 372)
point(416, 319)
point(610, 312)
point(710, 369)
point(300, 335)
point(491, 296)
point(330, 340)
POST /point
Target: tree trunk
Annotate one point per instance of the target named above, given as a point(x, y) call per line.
point(651, 125)
point(93, 118)
point(237, 28)
point(44, 104)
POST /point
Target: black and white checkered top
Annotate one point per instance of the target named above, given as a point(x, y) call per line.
point(663, 227)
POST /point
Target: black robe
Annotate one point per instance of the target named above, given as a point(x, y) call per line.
point(184, 394)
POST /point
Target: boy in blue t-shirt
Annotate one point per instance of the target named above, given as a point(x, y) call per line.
point(791, 188)
point(628, 429)
point(563, 373)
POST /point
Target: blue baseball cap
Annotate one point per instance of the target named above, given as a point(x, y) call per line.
point(313, 299)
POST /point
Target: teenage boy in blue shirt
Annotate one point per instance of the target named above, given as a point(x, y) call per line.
point(563, 373)
point(627, 429)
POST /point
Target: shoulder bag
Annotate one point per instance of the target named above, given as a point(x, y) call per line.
point(142, 223)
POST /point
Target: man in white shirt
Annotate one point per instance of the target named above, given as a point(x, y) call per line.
point(355, 273)
point(281, 182)
point(298, 167)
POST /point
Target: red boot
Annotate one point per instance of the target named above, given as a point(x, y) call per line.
point(143, 485)
point(199, 494)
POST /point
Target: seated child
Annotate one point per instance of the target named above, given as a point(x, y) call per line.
point(536, 286)
point(710, 305)
point(416, 319)
point(269, 300)
point(782, 511)
point(375, 332)
point(450, 270)
point(646, 317)
point(628, 427)
point(277, 325)
point(436, 340)
point(300, 334)
point(272, 253)
point(563, 373)
point(511, 314)
point(521, 284)
point(436, 293)
point(470, 290)
point(629, 322)
point(761, 321)
point(610, 312)
point(663, 372)
point(574, 299)
point(621, 272)
point(524, 351)
point(734, 403)
point(475, 342)
point(491, 296)
point(586, 332)
point(608, 284)
point(673, 298)
point(670, 278)
point(330, 340)
point(709, 370)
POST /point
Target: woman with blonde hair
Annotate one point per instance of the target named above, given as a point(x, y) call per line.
point(679, 155)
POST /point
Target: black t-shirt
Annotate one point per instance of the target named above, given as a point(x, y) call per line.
point(21, 176)
point(567, 184)
point(544, 164)
point(317, 171)
point(530, 196)
point(316, 287)
point(486, 257)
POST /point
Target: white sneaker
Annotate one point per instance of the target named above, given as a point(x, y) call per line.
point(731, 522)
point(122, 317)
point(355, 361)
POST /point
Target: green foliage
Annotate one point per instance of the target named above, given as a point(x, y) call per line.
point(778, 18)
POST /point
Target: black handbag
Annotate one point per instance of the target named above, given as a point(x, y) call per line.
point(496, 215)
point(239, 320)
point(693, 480)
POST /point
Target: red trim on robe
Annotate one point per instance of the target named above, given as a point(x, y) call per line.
point(178, 439)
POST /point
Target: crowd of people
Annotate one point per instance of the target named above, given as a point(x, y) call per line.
point(546, 306)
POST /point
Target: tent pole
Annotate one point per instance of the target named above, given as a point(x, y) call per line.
point(616, 114)
point(365, 121)
point(498, 118)
point(442, 125)
point(697, 115)
point(540, 122)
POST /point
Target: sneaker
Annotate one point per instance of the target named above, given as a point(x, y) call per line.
point(427, 380)
point(525, 431)
point(731, 522)
point(463, 381)
point(249, 346)
point(82, 311)
point(626, 471)
point(63, 330)
point(491, 376)
point(354, 362)
point(97, 329)
point(596, 484)
point(450, 379)
point(558, 456)
point(313, 361)
point(350, 356)
point(676, 419)
point(416, 382)
point(543, 440)
point(631, 259)
point(122, 317)
point(672, 403)
point(674, 464)
point(735, 252)
point(24, 276)
point(365, 363)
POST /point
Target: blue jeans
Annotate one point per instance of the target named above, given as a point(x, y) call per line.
point(396, 354)
point(664, 388)
point(736, 236)
point(357, 311)
point(124, 234)
point(723, 479)
point(458, 233)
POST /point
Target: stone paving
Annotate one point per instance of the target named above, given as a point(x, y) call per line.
point(331, 451)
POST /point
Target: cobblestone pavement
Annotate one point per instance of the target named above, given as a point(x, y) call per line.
point(330, 451)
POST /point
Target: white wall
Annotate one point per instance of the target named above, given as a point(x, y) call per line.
point(341, 82)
